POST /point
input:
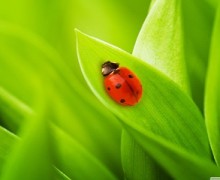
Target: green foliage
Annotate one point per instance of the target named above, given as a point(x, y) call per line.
point(159, 41)
point(56, 120)
point(32, 157)
point(197, 19)
point(167, 121)
point(212, 98)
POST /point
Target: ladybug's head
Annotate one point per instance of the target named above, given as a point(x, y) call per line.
point(108, 67)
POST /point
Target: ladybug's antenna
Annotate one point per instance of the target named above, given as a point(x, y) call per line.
point(108, 67)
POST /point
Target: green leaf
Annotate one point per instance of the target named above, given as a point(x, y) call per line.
point(11, 104)
point(76, 161)
point(197, 14)
point(69, 97)
point(138, 164)
point(212, 95)
point(172, 158)
point(60, 175)
point(164, 109)
point(7, 142)
point(32, 156)
point(160, 43)
point(70, 157)
point(89, 127)
point(214, 3)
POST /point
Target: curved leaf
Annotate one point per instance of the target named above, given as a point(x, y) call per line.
point(164, 109)
point(212, 96)
point(76, 161)
point(70, 157)
point(173, 159)
point(34, 151)
point(159, 43)
point(197, 14)
point(8, 142)
point(70, 98)
point(8, 104)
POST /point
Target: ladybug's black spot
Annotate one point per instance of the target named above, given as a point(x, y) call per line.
point(109, 88)
point(130, 76)
point(118, 86)
point(122, 100)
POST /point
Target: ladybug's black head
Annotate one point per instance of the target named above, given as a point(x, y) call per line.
point(108, 67)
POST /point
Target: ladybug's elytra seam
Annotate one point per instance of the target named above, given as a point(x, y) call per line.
point(132, 90)
point(125, 88)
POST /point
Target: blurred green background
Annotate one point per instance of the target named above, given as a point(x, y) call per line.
point(40, 79)
point(44, 99)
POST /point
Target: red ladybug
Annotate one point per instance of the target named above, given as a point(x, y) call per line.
point(121, 84)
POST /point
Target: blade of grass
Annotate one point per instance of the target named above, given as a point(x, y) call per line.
point(214, 3)
point(68, 93)
point(14, 112)
point(8, 104)
point(212, 93)
point(197, 14)
point(8, 142)
point(66, 148)
point(89, 127)
point(137, 164)
point(171, 157)
point(76, 161)
point(159, 43)
point(164, 109)
point(60, 175)
point(32, 157)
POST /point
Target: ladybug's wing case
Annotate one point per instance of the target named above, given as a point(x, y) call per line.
point(132, 81)
point(119, 90)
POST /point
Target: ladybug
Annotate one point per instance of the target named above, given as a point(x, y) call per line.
point(122, 85)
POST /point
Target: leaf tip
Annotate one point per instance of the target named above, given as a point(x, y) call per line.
point(77, 31)
point(79, 34)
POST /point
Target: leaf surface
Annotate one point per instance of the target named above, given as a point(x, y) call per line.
point(212, 95)
point(164, 110)
point(160, 44)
